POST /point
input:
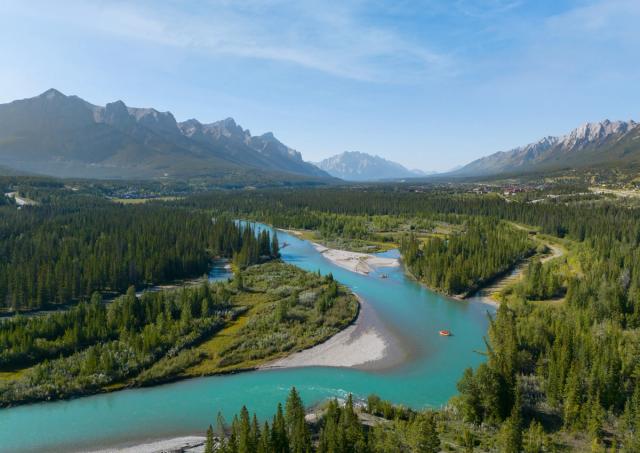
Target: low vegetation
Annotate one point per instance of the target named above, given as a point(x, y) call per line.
point(563, 352)
point(162, 335)
point(569, 369)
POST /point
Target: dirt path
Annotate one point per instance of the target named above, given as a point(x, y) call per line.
point(486, 294)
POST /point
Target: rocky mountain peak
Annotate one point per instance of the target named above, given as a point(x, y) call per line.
point(116, 139)
point(51, 94)
point(586, 144)
point(190, 127)
point(359, 166)
point(594, 132)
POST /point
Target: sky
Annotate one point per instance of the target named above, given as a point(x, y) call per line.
point(431, 84)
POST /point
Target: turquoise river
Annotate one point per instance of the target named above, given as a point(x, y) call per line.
point(427, 378)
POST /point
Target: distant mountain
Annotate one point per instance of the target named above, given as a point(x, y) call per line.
point(357, 166)
point(611, 143)
point(66, 136)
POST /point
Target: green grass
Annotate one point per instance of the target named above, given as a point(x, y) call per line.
point(256, 336)
point(143, 200)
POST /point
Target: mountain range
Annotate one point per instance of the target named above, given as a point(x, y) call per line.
point(605, 143)
point(357, 166)
point(66, 136)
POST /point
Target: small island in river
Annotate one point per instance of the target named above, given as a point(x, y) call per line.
point(266, 312)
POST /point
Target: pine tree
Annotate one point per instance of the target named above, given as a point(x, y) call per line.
point(245, 444)
point(534, 438)
point(427, 438)
point(208, 446)
point(572, 403)
point(298, 433)
point(510, 435)
point(220, 431)
point(279, 439)
point(275, 246)
point(595, 417)
point(255, 433)
point(264, 442)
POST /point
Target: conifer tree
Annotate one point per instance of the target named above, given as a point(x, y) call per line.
point(208, 446)
point(264, 442)
point(298, 432)
point(572, 400)
point(534, 438)
point(279, 439)
point(427, 438)
point(510, 435)
point(275, 246)
point(595, 417)
point(245, 444)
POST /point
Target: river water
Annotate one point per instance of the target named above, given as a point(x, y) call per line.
point(427, 378)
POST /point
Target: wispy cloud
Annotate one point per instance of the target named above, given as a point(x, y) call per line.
point(599, 20)
point(592, 42)
point(331, 37)
point(484, 9)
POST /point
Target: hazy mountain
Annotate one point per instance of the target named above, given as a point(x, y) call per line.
point(66, 136)
point(357, 166)
point(592, 144)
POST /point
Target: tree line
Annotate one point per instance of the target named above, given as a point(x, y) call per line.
point(461, 262)
point(57, 254)
point(574, 361)
point(339, 430)
point(93, 344)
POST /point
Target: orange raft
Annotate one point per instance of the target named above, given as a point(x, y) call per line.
point(445, 333)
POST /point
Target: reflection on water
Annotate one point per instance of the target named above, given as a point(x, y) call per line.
point(220, 271)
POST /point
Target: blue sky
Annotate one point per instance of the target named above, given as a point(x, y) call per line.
point(431, 84)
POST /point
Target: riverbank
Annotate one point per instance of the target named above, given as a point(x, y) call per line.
point(140, 415)
point(188, 444)
point(367, 344)
point(274, 313)
point(487, 294)
point(362, 263)
point(364, 246)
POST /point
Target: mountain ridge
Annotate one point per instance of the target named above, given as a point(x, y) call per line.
point(591, 144)
point(62, 135)
point(359, 166)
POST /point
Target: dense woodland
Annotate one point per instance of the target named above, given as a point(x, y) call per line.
point(573, 365)
point(93, 345)
point(141, 340)
point(60, 253)
point(461, 262)
point(569, 368)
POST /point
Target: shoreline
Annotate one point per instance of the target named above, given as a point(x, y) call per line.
point(485, 293)
point(361, 263)
point(367, 344)
point(186, 444)
point(358, 262)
